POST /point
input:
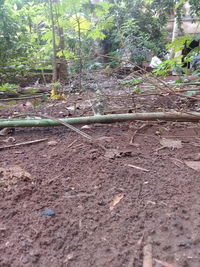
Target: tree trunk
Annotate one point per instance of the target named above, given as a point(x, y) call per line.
point(62, 67)
point(53, 42)
point(175, 34)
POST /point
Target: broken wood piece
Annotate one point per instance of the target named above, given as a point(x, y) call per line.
point(71, 144)
point(179, 163)
point(24, 143)
point(138, 168)
point(147, 253)
point(79, 145)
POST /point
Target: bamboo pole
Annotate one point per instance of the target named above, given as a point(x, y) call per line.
point(111, 118)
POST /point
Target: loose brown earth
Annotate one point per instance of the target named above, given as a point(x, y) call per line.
point(104, 209)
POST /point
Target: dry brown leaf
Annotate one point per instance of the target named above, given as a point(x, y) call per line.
point(171, 143)
point(195, 165)
point(116, 200)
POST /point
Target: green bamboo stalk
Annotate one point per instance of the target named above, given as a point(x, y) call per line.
point(111, 118)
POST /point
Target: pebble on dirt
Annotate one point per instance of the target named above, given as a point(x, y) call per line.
point(48, 213)
point(52, 143)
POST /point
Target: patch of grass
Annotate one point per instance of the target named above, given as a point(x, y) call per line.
point(131, 82)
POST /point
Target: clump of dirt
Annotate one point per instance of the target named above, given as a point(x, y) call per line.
point(10, 176)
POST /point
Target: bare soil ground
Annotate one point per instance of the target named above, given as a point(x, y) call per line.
point(101, 210)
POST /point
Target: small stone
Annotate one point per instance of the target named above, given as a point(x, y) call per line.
point(6, 131)
point(69, 257)
point(25, 259)
point(48, 212)
point(52, 143)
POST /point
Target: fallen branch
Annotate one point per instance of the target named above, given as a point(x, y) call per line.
point(24, 143)
point(111, 118)
point(23, 97)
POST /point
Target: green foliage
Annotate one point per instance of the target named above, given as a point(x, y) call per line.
point(56, 84)
point(180, 43)
point(6, 87)
point(12, 102)
point(3, 106)
point(166, 66)
point(122, 27)
point(138, 30)
point(137, 90)
point(37, 103)
point(32, 91)
point(113, 62)
point(131, 82)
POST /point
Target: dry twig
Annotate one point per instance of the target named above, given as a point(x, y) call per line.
point(137, 167)
point(24, 143)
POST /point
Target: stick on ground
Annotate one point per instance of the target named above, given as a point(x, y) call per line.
point(138, 168)
point(147, 252)
point(24, 143)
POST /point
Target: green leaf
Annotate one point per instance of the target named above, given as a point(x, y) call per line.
point(2, 106)
point(36, 103)
point(12, 102)
point(32, 91)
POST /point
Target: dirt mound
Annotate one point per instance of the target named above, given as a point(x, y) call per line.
point(87, 207)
